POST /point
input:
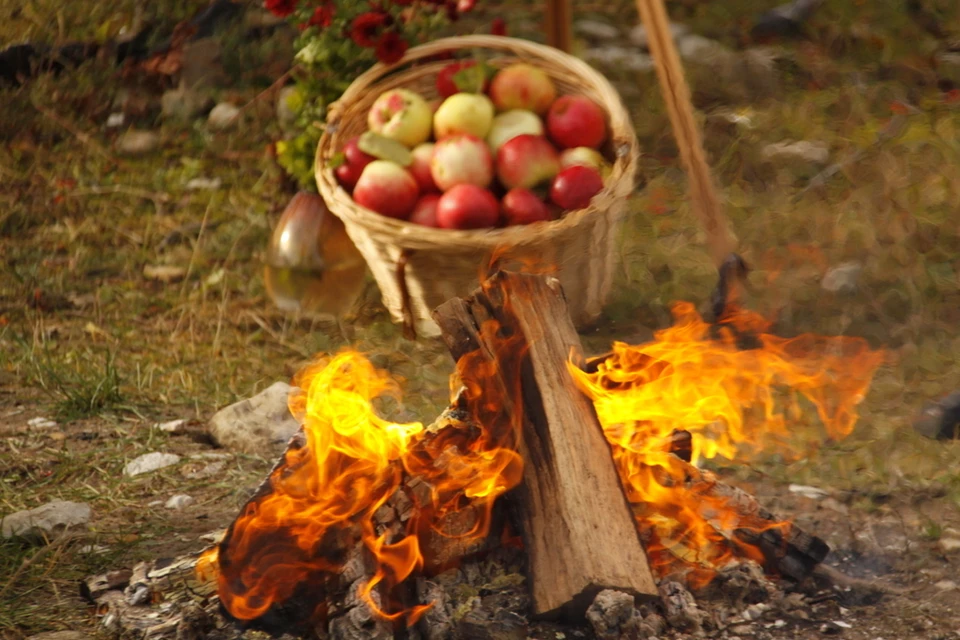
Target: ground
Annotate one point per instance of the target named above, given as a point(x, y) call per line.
point(90, 342)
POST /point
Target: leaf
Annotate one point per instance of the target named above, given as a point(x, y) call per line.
point(337, 160)
point(164, 272)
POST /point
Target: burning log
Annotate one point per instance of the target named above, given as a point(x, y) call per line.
point(579, 535)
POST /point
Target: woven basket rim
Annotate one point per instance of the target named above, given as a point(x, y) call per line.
point(619, 184)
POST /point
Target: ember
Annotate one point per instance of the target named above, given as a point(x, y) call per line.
point(689, 394)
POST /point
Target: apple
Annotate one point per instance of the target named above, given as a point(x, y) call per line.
point(522, 206)
point(354, 155)
point(512, 124)
point(586, 157)
point(575, 186)
point(420, 167)
point(576, 121)
point(461, 159)
point(526, 161)
point(347, 175)
point(467, 206)
point(425, 211)
point(401, 115)
point(522, 86)
point(387, 188)
point(463, 113)
point(447, 81)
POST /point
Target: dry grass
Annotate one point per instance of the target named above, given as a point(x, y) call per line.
point(109, 352)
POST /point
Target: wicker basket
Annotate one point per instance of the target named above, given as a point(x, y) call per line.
point(418, 268)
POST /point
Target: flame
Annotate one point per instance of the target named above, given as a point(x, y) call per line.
point(322, 498)
point(734, 403)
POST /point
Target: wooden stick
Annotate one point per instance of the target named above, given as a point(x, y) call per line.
point(676, 95)
point(579, 534)
point(559, 24)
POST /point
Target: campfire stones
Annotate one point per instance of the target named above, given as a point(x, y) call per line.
point(47, 521)
point(256, 425)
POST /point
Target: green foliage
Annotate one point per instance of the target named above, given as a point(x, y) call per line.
point(86, 390)
point(328, 62)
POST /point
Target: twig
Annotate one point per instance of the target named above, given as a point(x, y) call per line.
point(836, 577)
point(39, 555)
point(80, 135)
point(271, 89)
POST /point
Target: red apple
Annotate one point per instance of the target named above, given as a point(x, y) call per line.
point(354, 155)
point(347, 175)
point(461, 159)
point(420, 167)
point(446, 79)
point(522, 86)
point(522, 206)
point(467, 206)
point(576, 121)
point(575, 186)
point(387, 188)
point(425, 211)
point(526, 161)
point(401, 115)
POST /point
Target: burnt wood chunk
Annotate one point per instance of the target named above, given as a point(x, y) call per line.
point(578, 530)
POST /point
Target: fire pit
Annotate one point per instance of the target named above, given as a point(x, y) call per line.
point(562, 488)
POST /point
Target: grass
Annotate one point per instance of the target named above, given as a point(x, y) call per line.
point(108, 352)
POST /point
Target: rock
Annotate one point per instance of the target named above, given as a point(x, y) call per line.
point(680, 607)
point(180, 501)
point(260, 424)
point(173, 426)
point(946, 585)
point(699, 49)
point(60, 635)
point(150, 462)
point(621, 58)
point(47, 521)
point(41, 423)
point(609, 613)
point(803, 153)
point(115, 120)
point(223, 116)
point(949, 545)
point(288, 105)
point(638, 35)
point(842, 278)
point(813, 493)
point(184, 103)
point(940, 420)
point(137, 143)
point(596, 30)
point(198, 472)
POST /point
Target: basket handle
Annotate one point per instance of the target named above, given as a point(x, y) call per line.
point(516, 46)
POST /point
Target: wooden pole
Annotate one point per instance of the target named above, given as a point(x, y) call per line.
point(676, 94)
point(560, 24)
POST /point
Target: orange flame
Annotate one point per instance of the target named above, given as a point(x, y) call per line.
point(322, 499)
point(733, 402)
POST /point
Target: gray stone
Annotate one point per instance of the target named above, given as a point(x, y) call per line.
point(47, 521)
point(801, 152)
point(60, 635)
point(223, 116)
point(184, 103)
point(596, 30)
point(288, 100)
point(622, 58)
point(842, 278)
point(946, 585)
point(638, 35)
point(173, 426)
point(138, 143)
point(949, 545)
point(204, 184)
point(41, 423)
point(699, 49)
point(180, 501)
point(150, 462)
point(261, 424)
point(609, 613)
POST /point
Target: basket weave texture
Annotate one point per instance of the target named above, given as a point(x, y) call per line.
point(418, 268)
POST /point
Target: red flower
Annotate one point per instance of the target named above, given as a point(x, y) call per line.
point(365, 27)
point(498, 27)
point(465, 6)
point(280, 8)
point(322, 16)
point(391, 47)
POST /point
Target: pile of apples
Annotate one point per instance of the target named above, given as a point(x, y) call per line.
point(509, 152)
